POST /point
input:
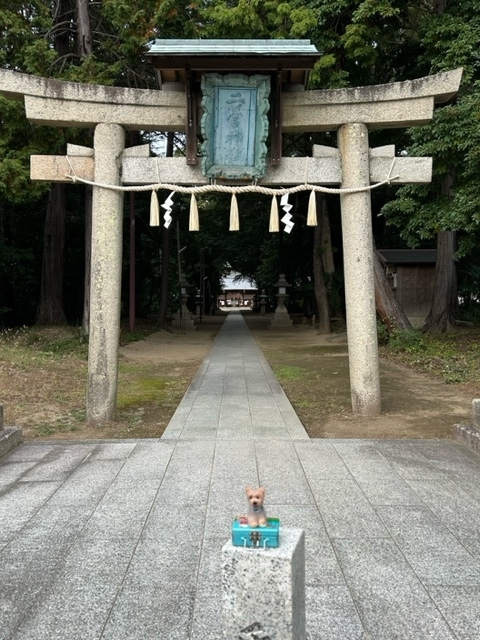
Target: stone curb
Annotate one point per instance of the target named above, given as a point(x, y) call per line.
point(10, 437)
point(468, 435)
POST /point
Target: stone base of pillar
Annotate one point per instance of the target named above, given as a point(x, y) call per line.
point(264, 590)
point(10, 438)
point(183, 323)
point(281, 319)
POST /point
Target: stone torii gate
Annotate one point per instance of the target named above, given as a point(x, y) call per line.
point(110, 111)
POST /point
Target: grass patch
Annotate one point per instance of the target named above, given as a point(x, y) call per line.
point(452, 357)
point(63, 341)
point(289, 372)
point(141, 390)
point(142, 330)
point(43, 379)
point(43, 383)
point(68, 423)
point(305, 404)
point(30, 343)
point(317, 383)
point(43, 372)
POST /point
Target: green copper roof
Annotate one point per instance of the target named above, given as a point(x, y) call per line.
point(231, 47)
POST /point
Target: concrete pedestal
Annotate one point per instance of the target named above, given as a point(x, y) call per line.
point(264, 589)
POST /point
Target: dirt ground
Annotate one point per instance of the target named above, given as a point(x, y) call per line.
point(313, 371)
point(48, 400)
point(164, 346)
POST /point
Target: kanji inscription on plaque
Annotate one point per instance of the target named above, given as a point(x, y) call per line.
point(234, 125)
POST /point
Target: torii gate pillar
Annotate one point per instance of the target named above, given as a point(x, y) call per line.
point(105, 283)
point(358, 271)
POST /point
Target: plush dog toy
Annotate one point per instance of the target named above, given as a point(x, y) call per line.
point(256, 511)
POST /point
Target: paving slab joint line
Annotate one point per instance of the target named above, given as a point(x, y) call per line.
point(200, 555)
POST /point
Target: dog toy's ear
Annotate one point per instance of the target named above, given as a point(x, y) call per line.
point(262, 491)
point(247, 490)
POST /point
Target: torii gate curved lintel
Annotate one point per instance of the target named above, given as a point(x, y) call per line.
point(70, 104)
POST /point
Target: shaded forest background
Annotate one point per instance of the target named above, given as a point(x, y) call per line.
point(44, 228)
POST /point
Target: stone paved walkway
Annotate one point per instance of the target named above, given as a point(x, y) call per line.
point(121, 540)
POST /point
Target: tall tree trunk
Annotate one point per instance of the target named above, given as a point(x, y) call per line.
point(444, 301)
point(84, 49)
point(88, 254)
point(165, 256)
point(440, 317)
point(439, 6)
point(388, 308)
point(84, 33)
point(50, 310)
point(321, 294)
point(62, 17)
point(132, 288)
point(327, 250)
point(165, 262)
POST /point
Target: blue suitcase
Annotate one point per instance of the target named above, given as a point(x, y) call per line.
point(256, 537)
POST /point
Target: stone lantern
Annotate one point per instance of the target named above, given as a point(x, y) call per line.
point(198, 304)
point(263, 302)
point(183, 316)
point(183, 296)
point(281, 317)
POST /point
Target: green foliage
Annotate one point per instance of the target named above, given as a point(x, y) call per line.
point(420, 211)
point(383, 332)
point(408, 341)
point(140, 333)
point(450, 40)
point(56, 341)
point(290, 372)
point(71, 421)
point(221, 249)
point(94, 71)
point(452, 357)
point(257, 19)
point(469, 291)
point(180, 19)
point(145, 389)
point(363, 42)
point(23, 45)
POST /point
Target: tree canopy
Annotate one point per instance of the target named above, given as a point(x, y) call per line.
point(362, 42)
